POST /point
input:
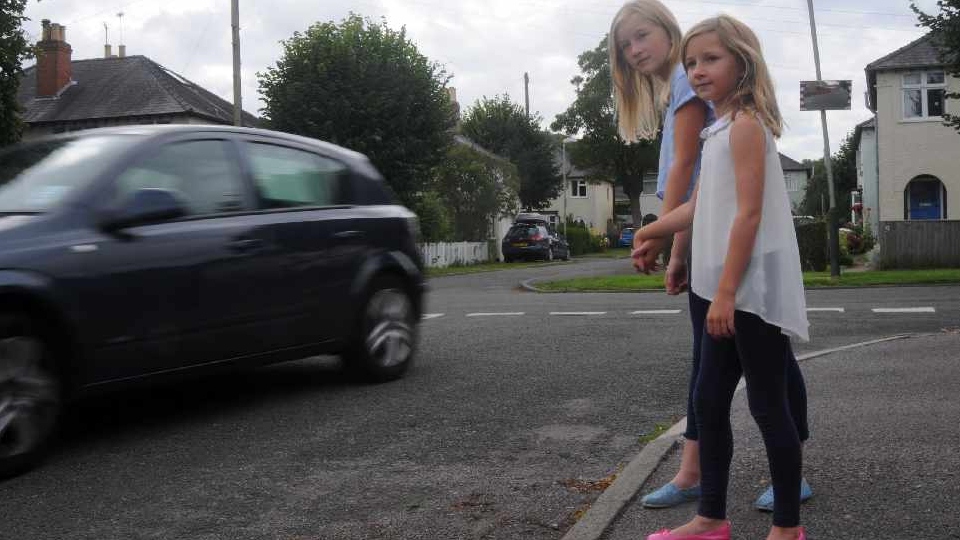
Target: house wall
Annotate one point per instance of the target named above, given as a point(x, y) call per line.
point(595, 209)
point(867, 177)
point(796, 186)
point(908, 149)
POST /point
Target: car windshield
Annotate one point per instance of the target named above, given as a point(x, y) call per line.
point(35, 177)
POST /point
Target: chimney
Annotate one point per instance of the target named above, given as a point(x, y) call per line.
point(107, 50)
point(53, 60)
point(123, 50)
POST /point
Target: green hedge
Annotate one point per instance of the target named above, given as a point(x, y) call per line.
point(812, 238)
point(581, 241)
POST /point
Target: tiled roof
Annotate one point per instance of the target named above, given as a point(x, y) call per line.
point(788, 164)
point(919, 53)
point(133, 86)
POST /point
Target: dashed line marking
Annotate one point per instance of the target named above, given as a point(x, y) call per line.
point(432, 315)
point(834, 309)
point(502, 314)
point(655, 312)
point(905, 310)
point(562, 313)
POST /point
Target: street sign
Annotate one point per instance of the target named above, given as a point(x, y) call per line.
point(825, 95)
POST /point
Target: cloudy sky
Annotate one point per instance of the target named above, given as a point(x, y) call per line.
point(487, 45)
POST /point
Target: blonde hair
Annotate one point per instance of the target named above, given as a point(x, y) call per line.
point(755, 92)
point(640, 99)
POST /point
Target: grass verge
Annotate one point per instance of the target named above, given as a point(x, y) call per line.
point(811, 280)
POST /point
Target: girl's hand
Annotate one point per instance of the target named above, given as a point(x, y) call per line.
point(675, 279)
point(645, 254)
point(720, 316)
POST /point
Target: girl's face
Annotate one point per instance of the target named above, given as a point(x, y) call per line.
point(713, 71)
point(643, 45)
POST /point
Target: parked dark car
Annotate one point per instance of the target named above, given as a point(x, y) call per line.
point(132, 254)
point(531, 237)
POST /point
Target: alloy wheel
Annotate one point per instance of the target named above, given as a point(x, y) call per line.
point(389, 317)
point(29, 396)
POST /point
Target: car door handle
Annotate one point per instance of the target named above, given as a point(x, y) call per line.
point(245, 245)
point(344, 235)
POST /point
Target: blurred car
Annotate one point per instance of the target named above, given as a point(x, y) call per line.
point(532, 237)
point(133, 254)
point(626, 236)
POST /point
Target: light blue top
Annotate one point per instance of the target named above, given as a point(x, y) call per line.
point(680, 95)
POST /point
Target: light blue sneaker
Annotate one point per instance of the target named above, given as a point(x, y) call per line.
point(765, 501)
point(670, 495)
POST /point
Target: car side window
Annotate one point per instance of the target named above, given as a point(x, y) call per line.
point(201, 173)
point(288, 178)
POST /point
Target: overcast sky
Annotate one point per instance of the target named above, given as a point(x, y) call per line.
point(487, 45)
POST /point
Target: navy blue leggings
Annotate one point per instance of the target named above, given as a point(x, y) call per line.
point(761, 353)
point(796, 388)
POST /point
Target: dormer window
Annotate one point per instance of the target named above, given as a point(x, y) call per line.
point(923, 94)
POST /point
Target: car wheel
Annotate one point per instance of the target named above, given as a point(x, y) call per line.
point(386, 334)
point(29, 395)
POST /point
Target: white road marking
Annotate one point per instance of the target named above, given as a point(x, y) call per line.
point(578, 312)
point(655, 312)
point(836, 309)
point(432, 315)
point(905, 310)
point(503, 314)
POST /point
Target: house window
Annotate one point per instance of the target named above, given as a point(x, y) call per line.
point(578, 188)
point(925, 198)
point(923, 94)
point(793, 184)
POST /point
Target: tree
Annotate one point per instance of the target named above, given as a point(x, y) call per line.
point(601, 151)
point(844, 181)
point(364, 86)
point(503, 128)
point(945, 27)
point(475, 187)
point(14, 49)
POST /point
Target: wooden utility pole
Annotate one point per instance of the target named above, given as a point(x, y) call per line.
point(237, 101)
point(526, 92)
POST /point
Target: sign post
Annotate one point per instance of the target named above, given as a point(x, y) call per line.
point(823, 95)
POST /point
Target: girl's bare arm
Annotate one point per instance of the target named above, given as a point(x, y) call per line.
point(748, 149)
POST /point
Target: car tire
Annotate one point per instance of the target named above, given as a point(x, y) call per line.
point(385, 335)
point(30, 395)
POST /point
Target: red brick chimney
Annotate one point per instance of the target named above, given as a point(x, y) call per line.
point(53, 60)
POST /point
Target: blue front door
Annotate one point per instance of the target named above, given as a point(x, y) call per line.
point(925, 199)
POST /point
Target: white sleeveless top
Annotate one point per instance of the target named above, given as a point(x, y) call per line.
point(772, 285)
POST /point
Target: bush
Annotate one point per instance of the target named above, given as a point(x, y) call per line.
point(581, 240)
point(436, 224)
point(812, 240)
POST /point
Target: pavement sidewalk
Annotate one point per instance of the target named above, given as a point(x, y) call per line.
point(883, 458)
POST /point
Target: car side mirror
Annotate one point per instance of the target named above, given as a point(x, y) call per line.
point(148, 205)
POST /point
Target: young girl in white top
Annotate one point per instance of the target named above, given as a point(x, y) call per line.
point(745, 272)
point(651, 91)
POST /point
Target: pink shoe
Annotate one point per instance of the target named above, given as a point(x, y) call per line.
point(720, 533)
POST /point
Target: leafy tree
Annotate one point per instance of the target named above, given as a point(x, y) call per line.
point(503, 128)
point(364, 86)
point(844, 181)
point(475, 187)
point(945, 27)
point(601, 152)
point(14, 49)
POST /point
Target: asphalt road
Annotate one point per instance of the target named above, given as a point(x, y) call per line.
point(515, 413)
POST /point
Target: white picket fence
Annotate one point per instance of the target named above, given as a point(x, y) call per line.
point(443, 254)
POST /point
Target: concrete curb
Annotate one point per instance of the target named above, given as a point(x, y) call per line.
point(608, 506)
